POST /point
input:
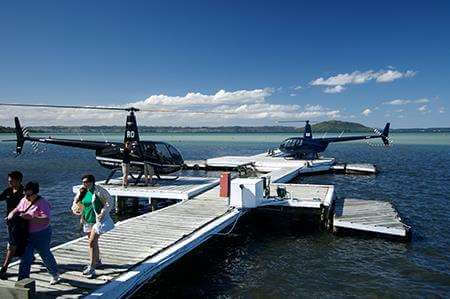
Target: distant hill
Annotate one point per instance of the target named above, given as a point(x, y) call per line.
point(336, 126)
point(6, 130)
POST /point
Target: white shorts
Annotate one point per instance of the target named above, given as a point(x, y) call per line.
point(87, 227)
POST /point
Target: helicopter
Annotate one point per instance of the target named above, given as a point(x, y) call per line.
point(163, 157)
point(307, 147)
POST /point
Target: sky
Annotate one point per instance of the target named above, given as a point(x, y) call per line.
point(257, 62)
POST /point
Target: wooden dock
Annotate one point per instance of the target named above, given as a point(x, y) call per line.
point(181, 188)
point(134, 251)
point(370, 216)
point(138, 248)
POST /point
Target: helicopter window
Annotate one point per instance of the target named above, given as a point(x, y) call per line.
point(175, 153)
point(289, 143)
point(163, 152)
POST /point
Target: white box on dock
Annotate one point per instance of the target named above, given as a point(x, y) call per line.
point(249, 196)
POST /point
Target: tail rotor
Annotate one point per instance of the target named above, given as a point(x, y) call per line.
point(387, 141)
point(20, 136)
point(23, 134)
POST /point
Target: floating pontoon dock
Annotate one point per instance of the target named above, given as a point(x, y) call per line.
point(140, 247)
point(369, 215)
point(266, 163)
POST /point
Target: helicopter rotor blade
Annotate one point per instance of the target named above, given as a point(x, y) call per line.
point(66, 106)
point(115, 108)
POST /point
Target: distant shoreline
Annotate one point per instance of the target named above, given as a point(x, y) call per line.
point(236, 129)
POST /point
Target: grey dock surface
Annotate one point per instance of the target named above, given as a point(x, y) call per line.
point(181, 188)
point(134, 250)
point(369, 215)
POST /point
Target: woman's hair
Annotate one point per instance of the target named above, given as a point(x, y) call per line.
point(16, 175)
point(89, 177)
point(83, 192)
point(32, 186)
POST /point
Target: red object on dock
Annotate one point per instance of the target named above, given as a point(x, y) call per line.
point(225, 178)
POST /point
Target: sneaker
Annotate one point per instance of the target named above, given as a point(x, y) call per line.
point(55, 279)
point(97, 265)
point(89, 272)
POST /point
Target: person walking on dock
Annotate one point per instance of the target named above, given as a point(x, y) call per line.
point(12, 195)
point(126, 163)
point(95, 208)
point(36, 210)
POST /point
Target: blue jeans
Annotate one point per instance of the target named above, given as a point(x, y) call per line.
point(39, 241)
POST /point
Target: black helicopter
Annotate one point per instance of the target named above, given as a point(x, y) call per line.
point(307, 147)
point(164, 158)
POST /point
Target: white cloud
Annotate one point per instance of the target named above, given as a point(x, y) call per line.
point(422, 101)
point(298, 87)
point(196, 98)
point(358, 77)
point(251, 107)
point(441, 110)
point(391, 75)
point(366, 112)
point(405, 102)
point(399, 110)
point(423, 108)
point(335, 89)
point(398, 102)
point(293, 94)
point(309, 107)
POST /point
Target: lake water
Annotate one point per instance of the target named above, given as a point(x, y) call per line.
point(269, 256)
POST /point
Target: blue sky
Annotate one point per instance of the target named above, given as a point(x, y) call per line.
point(355, 61)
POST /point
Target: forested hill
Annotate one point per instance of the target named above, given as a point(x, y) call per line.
point(6, 130)
point(336, 126)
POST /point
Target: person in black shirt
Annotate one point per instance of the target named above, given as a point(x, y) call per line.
point(12, 195)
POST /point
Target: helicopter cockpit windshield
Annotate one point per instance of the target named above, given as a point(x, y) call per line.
point(168, 153)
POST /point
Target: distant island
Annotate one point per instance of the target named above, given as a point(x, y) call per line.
point(332, 126)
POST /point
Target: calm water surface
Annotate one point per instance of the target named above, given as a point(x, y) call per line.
point(268, 256)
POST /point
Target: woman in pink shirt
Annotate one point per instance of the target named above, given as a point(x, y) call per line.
point(36, 210)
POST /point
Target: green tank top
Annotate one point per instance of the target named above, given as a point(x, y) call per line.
point(88, 208)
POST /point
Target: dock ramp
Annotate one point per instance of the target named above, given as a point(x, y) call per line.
point(370, 216)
